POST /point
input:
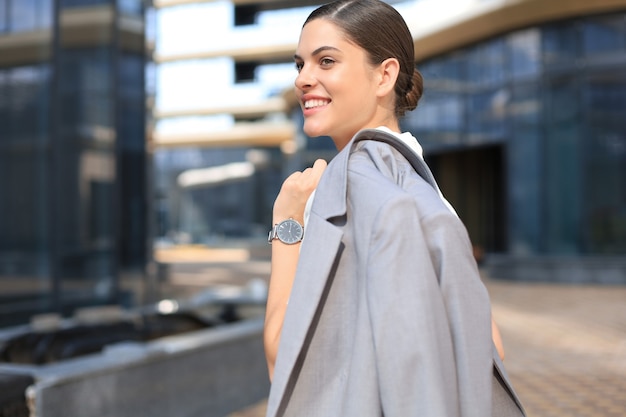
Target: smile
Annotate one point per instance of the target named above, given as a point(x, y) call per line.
point(310, 104)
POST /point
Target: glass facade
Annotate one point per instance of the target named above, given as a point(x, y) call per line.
point(215, 196)
point(544, 107)
point(72, 153)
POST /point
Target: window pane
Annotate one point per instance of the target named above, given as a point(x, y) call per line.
point(486, 64)
point(605, 165)
point(525, 53)
point(564, 124)
point(45, 13)
point(603, 35)
point(560, 45)
point(488, 109)
point(23, 15)
point(28, 98)
point(132, 7)
point(86, 90)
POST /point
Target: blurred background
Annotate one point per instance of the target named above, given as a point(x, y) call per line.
point(142, 144)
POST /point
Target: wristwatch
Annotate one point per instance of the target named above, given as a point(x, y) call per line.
point(288, 231)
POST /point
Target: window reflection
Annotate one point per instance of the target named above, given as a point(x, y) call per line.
point(131, 7)
point(486, 64)
point(444, 112)
point(25, 15)
point(603, 35)
point(488, 109)
point(525, 53)
point(86, 87)
point(23, 93)
point(559, 45)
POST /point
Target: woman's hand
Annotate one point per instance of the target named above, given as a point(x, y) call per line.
point(295, 192)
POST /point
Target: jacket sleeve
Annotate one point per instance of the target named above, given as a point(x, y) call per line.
point(429, 313)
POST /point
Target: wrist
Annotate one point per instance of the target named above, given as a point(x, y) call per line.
point(279, 217)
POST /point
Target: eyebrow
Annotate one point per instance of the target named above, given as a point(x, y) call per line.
point(319, 51)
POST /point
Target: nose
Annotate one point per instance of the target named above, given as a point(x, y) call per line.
point(304, 80)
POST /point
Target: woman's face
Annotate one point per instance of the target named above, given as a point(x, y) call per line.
point(336, 86)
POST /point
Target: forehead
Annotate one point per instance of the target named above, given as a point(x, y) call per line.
point(319, 33)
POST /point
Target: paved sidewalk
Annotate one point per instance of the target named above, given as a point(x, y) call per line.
point(565, 348)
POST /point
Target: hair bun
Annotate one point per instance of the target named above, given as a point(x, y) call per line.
point(414, 94)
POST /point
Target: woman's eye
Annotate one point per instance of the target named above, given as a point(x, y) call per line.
point(327, 61)
point(299, 66)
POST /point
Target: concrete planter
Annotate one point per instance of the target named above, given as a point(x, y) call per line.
point(210, 372)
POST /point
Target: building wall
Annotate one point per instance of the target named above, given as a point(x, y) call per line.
point(72, 153)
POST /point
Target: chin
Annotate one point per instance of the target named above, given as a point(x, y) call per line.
point(314, 131)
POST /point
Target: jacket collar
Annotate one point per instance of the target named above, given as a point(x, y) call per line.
point(330, 199)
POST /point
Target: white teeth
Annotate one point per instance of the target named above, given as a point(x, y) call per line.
point(309, 104)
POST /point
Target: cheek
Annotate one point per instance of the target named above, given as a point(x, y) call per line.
point(358, 85)
point(346, 89)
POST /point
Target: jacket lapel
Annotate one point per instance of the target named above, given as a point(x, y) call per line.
point(320, 248)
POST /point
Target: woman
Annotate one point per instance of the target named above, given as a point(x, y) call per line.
point(379, 310)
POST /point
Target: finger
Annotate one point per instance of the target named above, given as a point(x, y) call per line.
point(320, 164)
point(316, 170)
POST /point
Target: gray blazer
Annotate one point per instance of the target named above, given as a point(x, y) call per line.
point(387, 315)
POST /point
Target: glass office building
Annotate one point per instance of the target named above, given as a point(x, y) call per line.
point(527, 134)
point(72, 153)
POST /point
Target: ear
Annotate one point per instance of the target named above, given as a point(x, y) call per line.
point(388, 72)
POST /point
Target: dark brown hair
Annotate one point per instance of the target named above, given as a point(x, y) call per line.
point(381, 31)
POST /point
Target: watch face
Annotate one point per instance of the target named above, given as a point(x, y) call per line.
point(289, 231)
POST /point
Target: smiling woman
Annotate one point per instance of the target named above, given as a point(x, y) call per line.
point(379, 309)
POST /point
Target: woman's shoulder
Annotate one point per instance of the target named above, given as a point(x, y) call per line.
point(380, 163)
point(378, 173)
